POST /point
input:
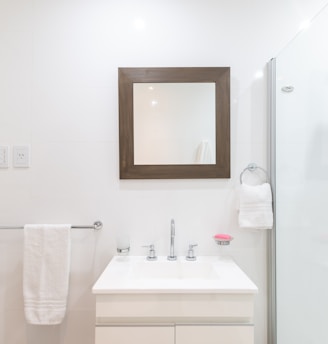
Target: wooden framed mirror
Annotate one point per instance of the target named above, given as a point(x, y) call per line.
point(174, 123)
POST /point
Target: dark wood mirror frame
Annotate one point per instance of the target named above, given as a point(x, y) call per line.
point(220, 76)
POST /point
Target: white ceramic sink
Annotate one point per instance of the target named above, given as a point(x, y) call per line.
point(178, 270)
point(208, 274)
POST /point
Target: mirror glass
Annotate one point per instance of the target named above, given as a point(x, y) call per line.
point(174, 123)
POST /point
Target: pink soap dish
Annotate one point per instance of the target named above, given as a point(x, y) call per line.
point(222, 239)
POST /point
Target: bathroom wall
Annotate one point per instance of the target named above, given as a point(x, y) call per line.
point(58, 94)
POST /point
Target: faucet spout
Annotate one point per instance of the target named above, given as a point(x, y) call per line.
point(172, 256)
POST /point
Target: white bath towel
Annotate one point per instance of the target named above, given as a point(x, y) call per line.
point(46, 273)
point(255, 208)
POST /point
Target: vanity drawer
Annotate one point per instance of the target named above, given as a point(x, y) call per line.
point(176, 307)
point(135, 334)
point(214, 334)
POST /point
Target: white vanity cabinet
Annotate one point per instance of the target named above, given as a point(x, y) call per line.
point(132, 307)
point(175, 318)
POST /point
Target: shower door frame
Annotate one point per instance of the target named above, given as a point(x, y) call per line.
point(271, 241)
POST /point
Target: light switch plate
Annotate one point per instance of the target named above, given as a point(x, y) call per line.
point(21, 156)
point(4, 151)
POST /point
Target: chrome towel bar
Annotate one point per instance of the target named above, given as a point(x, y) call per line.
point(96, 226)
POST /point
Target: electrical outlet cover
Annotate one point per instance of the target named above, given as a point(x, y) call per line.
point(21, 156)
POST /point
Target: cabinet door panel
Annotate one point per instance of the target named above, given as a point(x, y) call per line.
point(135, 334)
point(214, 334)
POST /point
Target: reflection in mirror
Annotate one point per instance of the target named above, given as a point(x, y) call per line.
point(160, 114)
point(174, 122)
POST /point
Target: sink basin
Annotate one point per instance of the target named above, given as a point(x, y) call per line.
point(179, 269)
point(208, 274)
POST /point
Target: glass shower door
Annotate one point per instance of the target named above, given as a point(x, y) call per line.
point(301, 187)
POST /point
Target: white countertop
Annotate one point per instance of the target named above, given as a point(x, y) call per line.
point(208, 274)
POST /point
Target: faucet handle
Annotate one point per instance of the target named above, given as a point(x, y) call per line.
point(191, 254)
point(152, 252)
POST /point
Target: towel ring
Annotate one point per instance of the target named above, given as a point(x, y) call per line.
point(252, 167)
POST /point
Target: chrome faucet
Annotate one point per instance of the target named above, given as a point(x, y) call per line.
point(172, 256)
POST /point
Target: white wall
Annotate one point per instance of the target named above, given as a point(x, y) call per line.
point(58, 93)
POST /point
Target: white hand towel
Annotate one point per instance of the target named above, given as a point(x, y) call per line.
point(46, 273)
point(255, 208)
